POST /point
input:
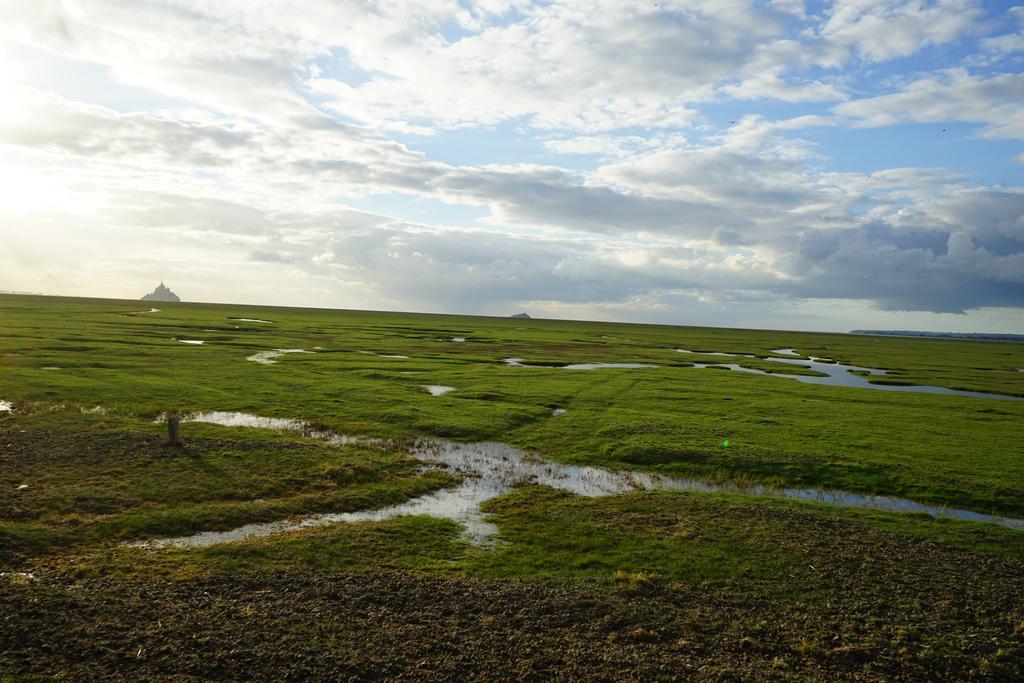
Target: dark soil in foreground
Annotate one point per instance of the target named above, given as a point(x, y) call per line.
point(304, 626)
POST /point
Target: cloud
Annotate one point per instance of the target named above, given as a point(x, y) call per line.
point(267, 127)
point(772, 86)
point(885, 29)
point(995, 49)
point(952, 95)
point(46, 121)
point(872, 260)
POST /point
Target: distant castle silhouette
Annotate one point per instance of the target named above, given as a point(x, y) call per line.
point(161, 293)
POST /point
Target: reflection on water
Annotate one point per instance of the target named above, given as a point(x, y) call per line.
point(518, 363)
point(252, 320)
point(598, 366)
point(491, 469)
point(832, 373)
point(839, 375)
point(267, 357)
point(382, 355)
point(281, 424)
point(835, 374)
point(233, 419)
point(714, 353)
point(191, 341)
point(437, 389)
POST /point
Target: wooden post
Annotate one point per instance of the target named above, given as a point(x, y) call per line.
point(174, 429)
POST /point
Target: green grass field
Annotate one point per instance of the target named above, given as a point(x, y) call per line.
point(84, 467)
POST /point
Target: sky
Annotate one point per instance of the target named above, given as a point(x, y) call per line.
point(776, 163)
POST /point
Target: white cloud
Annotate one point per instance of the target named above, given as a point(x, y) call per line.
point(272, 123)
point(772, 86)
point(879, 30)
point(1002, 47)
point(953, 95)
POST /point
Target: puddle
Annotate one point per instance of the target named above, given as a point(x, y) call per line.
point(49, 367)
point(518, 363)
point(451, 339)
point(558, 411)
point(6, 407)
point(492, 469)
point(281, 424)
point(437, 389)
point(715, 353)
point(598, 366)
point(839, 375)
point(191, 341)
point(233, 419)
point(267, 357)
point(252, 320)
point(784, 352)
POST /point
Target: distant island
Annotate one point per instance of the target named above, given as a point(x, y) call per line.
point(161, 293)
point(520, 315)
point(977, 336)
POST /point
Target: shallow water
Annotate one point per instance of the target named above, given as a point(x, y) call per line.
point(837, 374)
point(6, 407)
point(715, 353)
point(598, 366)
point(558, 411)
point(281, 424)
point(437, 389)
point(191, 341)
point(234, 419)
point(267, 357)
point(252, 320)
point(491, 469)
point(518, 363)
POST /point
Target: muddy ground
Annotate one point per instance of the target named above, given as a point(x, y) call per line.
point(306, 626)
